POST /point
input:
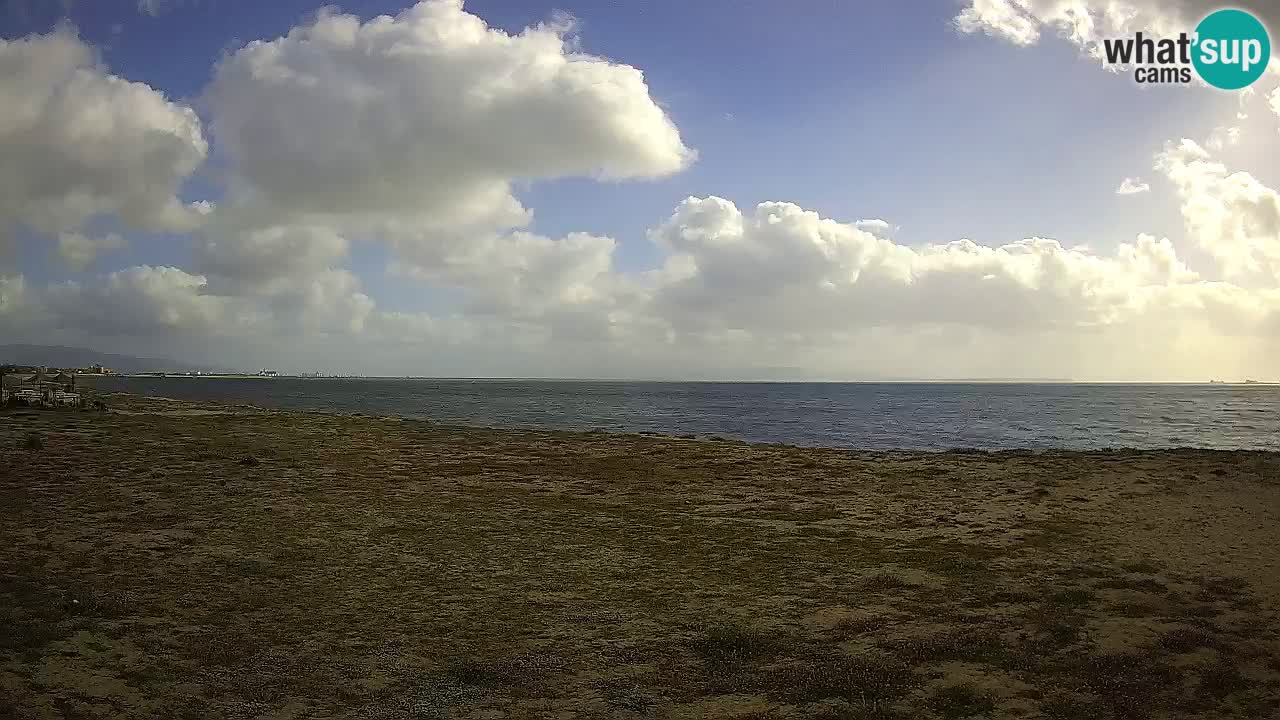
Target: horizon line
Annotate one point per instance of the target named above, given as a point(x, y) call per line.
point(876, 381)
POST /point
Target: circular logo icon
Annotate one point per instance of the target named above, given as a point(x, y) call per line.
point(1232, 49)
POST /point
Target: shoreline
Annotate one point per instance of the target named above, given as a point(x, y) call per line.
point(198, 560)
point(1065, 418)
point(135, 404)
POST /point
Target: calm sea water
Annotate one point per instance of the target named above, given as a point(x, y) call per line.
point(857, 415)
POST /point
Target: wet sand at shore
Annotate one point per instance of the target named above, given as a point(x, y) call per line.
point(186, 560)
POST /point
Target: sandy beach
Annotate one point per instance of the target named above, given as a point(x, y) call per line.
point(185, 560)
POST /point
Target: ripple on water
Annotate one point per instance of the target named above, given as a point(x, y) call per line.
point(876, 416)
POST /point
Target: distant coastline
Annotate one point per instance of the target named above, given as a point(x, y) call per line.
point(885, 415)
point(161, 375)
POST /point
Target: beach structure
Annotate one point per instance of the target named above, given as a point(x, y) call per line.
point(41, 389)
point(60, 391)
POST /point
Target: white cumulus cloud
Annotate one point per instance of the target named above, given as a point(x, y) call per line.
point(783, 269)
point(1132, 186)
point(139, 301)
point(426, 119)
point(1232, 215)
point(412, 135)
point(77, 142)
point(253, 257)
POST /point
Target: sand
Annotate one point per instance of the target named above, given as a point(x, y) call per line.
point(184, 560)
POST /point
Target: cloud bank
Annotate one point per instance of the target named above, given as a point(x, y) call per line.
point(411, 136)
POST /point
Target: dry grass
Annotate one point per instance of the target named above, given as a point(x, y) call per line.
point(267, 564)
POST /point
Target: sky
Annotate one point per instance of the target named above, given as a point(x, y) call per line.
point(648, 189)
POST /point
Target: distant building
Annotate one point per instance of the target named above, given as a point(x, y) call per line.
point(41, 388)
point(268, 373)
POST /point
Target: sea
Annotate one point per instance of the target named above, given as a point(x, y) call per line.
point(881, 416)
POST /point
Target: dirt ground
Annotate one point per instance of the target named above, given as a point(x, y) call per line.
point(178, 560)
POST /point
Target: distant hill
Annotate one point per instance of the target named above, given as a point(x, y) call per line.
point(72, 357)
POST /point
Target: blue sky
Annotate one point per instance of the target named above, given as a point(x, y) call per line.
point(856, 110)
point(853, 110)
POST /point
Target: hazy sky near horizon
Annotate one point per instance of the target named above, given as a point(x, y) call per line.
point(739, 190)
